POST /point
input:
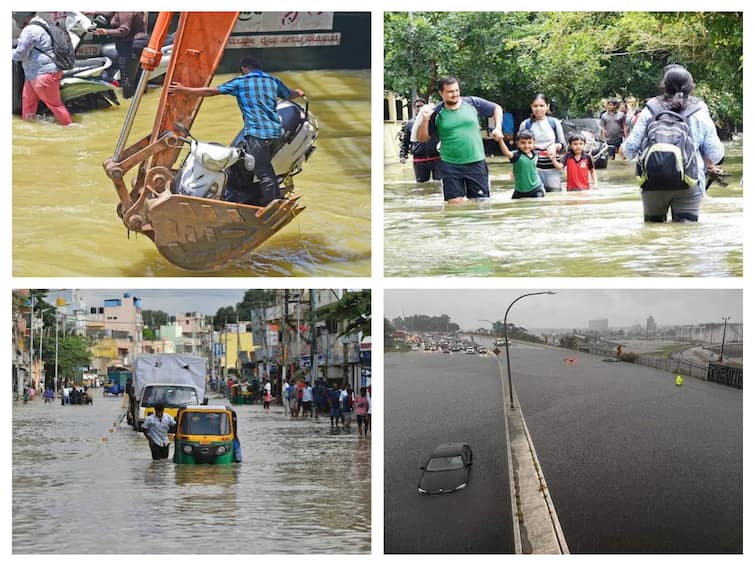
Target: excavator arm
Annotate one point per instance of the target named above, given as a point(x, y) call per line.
point(197, 51)
point(193, 233)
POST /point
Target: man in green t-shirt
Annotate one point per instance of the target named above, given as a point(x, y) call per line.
point(456, 122)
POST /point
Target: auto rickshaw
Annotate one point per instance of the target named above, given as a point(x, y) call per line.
point(205, 434)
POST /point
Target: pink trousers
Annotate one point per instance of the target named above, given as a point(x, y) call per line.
point(47, 89)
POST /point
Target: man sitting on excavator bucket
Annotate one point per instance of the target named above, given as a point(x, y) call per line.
point(257, 95)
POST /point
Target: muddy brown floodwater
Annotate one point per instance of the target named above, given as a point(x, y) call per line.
point(64, 219)
point(596, 233)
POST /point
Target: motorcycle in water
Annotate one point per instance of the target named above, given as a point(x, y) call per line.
point(215, 171)
point(187, 212)
point(84, 86)
point(155, 77)
point(595, 146)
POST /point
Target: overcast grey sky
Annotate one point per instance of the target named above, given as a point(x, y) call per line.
point(171, 301)
point(569, 308)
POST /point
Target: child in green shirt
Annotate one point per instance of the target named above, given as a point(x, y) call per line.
point(527, 183)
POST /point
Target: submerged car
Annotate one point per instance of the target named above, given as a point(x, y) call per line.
point(447, 469)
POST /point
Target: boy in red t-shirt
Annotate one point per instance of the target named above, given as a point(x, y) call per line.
point(579, 166)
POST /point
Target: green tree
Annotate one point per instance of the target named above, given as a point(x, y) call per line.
point(425, 323)
point(223, 316)
point(42, 309)
point(388, 330)
point(73, 354)
point(576, 58)
point(255, 299)
point(354, 308)
point(154, 319)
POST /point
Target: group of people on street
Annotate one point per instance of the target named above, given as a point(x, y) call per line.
point(339, 402)
point(451, 128)
point(344, 404)
point(299, 398)
point(73, 396)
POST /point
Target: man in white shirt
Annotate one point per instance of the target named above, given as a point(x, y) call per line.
point(156, 428)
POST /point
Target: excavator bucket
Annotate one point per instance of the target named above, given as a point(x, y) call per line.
point(203, 234)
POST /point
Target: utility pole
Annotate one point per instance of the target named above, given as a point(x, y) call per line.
point(55, 384)
point(31, 351)
point(723, 339)
point(237, 364)
point(285, 334)
point(313, 336)
point(212, 358)
point(224, 335)
point(345, 342)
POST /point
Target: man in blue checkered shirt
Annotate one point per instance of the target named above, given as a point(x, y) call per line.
point(257, 94)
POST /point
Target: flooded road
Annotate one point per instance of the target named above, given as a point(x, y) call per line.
point(634, 463)
point(80, 489)
point(433, 398)
point(596, 233)
point(64, 219)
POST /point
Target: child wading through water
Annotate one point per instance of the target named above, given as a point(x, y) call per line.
point(579, 166)
point(527, 183)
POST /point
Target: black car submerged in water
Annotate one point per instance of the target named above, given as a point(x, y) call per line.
point(447, 469)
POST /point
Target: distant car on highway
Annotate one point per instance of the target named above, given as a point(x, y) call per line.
point(447, 469)
point(482, 350)
point(470, 350)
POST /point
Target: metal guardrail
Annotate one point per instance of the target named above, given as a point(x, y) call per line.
point(679, 365)
point(674, 365)
point(726, 375)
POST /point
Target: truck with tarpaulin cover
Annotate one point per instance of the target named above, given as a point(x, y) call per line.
point(173, 380)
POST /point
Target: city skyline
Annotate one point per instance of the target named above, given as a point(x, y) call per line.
point(569, 308)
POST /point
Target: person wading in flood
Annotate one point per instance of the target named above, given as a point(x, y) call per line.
point(456, 123)
point(156, 428)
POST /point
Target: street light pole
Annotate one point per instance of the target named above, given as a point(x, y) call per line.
point(723, 339)
point(55, 384)
point(506, 337)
